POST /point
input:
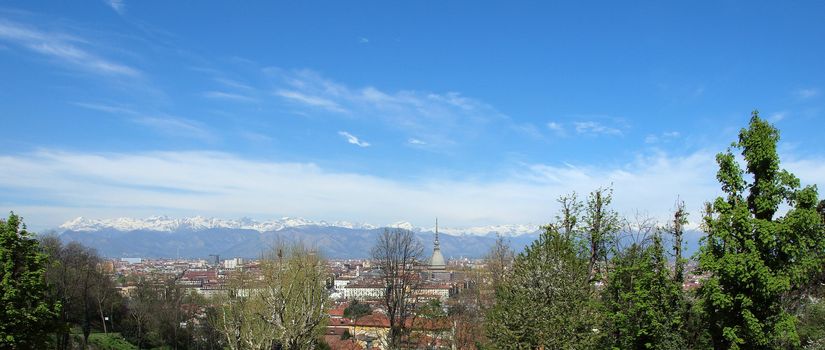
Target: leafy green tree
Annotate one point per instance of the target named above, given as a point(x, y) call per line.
point(74, 271)
point(355, 310)
point(642, 299)
point(754, 258)
point(601, 226)
point(547, 300)
point(27, 314)
point(812, 323)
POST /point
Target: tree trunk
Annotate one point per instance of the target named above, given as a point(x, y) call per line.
point(102, 318)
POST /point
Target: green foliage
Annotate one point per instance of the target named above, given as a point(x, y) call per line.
point(432, 309)
point(27, 314)
point(754, 258)
point(84, 290)
point(601, 225)
point(284, 310)
point(643, 302)
point(547, 300)
point(355, 310)
point(111, 341)
point(812, 323)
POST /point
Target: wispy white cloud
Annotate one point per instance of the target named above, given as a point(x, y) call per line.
point(436, 119)
point(159, 122)
point(63, 48)
point(107, 108)
point(118, 5)
point(314, 101)
point(174, 126)
point(363, 40)
point(414, 141)
point(557, 128)
point(353, 140)
point(255, 136)
point(222, 95)
point(528, 129)
point(61, 185)
point(807, 93)
point(663, 137)
point(595, 128)
point(233, 83)
point(777, 117)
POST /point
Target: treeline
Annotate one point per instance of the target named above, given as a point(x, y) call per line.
point(595, 281)
point(56, 295)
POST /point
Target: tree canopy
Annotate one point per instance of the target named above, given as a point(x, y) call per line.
point(547, 299)
point(754, 258)
point(27, 314)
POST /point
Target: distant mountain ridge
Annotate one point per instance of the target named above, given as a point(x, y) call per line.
point(199, 223)
point(197, 237)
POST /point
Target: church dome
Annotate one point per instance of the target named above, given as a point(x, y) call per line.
point(437, 261)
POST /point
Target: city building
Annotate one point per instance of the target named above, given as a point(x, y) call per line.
point(437, 261)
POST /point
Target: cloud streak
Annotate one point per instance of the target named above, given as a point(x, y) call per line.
point(595, 128)
point(433, 118)
point(663, 137)
point(118, 5)
point(312, 101)
point(64, 49)
point(807, 93)
point(159, 122)
point(173, 126)
point(351, 139)
point(222, 95)
point(59, 185)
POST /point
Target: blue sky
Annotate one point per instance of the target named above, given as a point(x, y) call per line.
point(378, 111)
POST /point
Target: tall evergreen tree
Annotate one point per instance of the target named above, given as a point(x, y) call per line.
point(753, 257)
point(26, 313)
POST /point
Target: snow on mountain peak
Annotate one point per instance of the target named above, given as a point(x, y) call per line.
point(198, 223)
point(403, 225)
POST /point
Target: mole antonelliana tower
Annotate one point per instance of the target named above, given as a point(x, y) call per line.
point(437, 261)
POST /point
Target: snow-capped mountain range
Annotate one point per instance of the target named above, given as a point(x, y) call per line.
point(198, 223)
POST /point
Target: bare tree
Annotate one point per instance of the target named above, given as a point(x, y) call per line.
point(396, 252)
point(676, 228)
point(295, 296)
point(284, 307)
point(498, 261)
point(468, 309)
point(105, 295)
point(466, 315)
point(238, 316)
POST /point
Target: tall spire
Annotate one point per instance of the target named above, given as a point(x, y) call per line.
point(437, 261)
point(436, 232)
